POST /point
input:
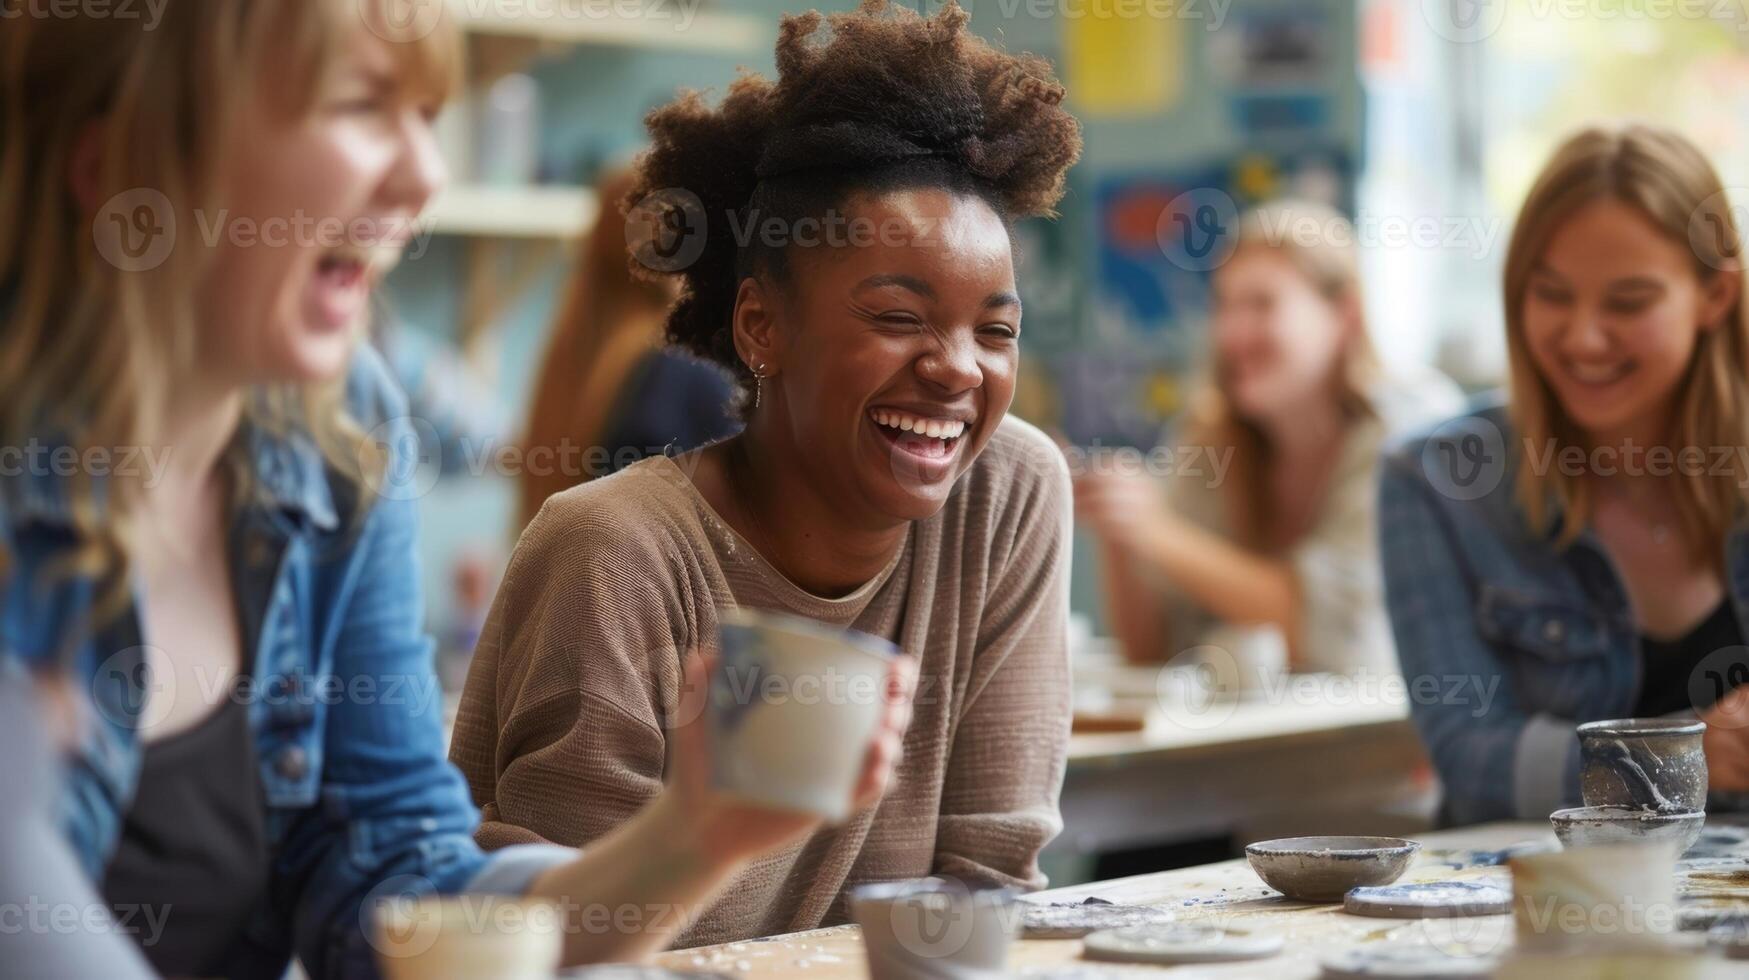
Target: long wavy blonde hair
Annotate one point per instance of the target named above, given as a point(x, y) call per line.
point(1320, 244)
point(89, 349)
point(1669, 181)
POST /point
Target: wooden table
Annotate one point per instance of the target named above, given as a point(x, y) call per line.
point(1202, 774)
point(1228, 891)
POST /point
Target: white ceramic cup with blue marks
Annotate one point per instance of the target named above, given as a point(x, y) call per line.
point(793, 706)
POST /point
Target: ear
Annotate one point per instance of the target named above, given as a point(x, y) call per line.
point(1720, 293)
point(755, 326)
point(85, 166)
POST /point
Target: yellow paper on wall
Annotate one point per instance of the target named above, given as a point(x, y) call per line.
point(1124, 58)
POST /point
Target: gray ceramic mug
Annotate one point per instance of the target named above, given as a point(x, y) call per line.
point(935, 929)
point(1643, 762)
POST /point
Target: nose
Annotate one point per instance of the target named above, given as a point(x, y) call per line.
point(952, 364)
point(419, 171)
point(1584, 334)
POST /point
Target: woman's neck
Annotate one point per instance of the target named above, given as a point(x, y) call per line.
point(793, 526)
point(197, 426)
point(1309, 431)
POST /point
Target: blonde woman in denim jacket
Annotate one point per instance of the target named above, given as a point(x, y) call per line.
point(1579, 553)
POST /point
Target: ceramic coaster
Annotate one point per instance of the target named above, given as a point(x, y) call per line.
point(1072, 920)
point(1407, 963)
point(1183, 942)
point(1429, 900)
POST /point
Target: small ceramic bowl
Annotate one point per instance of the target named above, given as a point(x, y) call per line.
point(1584, 826)
point(1323, 869)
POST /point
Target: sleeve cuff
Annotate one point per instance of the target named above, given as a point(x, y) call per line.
point(512, 870)
point(1545, 762)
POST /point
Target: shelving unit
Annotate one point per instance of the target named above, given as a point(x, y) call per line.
point(510, 232)
point(585, 22)
point(513, 212)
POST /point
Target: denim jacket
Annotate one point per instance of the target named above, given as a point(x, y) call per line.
point(1514, 642)
point(342, 697)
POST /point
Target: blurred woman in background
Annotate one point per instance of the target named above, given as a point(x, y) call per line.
point(1267, 524)
point(1581, 550)
point(217, 551)
point(610, 392)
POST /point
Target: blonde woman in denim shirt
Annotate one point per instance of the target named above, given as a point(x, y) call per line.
point(207, 515)
point(1579, 552)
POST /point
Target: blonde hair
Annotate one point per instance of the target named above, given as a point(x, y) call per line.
point(1665, 178)
point(90, 350)
point(1320, 244)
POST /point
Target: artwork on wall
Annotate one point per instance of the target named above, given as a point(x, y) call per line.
point(1160, 235)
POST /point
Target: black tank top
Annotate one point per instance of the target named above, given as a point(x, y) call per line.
point(192, 855)
point(1692, 672)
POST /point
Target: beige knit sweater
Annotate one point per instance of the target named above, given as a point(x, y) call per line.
point(560, 732)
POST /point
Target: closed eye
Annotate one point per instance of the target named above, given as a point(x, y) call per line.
point(900, 319)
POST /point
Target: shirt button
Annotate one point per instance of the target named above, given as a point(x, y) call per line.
point(292, 762)
point(1553, 631)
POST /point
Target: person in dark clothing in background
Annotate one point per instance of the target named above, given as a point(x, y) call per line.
point(610, 393)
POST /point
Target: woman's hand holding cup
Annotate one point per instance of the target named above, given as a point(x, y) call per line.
point(730, 827)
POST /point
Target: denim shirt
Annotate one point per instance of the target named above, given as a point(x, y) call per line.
point(1517, 642)
point(342, 697)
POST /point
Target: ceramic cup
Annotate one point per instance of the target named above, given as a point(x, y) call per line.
point(1614, 897)
point(440, 938)
point(935, 929)
point(793, 704)
point(1643, 762)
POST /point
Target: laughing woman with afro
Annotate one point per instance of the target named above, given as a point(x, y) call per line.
point(870, 314)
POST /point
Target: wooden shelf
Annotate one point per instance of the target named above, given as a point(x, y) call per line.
point(512, 212)
point(585, 22)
